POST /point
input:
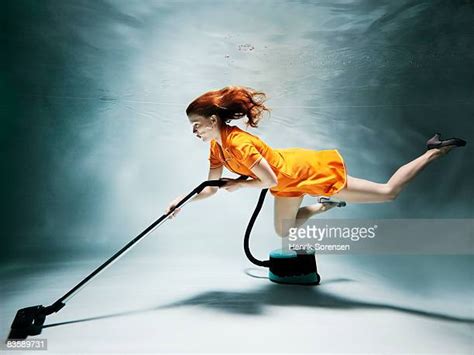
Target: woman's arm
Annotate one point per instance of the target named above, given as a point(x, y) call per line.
point(266, 178)
point(214, 174)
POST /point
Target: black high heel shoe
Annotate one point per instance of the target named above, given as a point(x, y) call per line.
point(436, 142)
point(327, 201)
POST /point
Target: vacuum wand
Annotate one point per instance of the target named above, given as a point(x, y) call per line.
point(30, 320)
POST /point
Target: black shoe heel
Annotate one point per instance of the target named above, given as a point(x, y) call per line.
point(437, 142)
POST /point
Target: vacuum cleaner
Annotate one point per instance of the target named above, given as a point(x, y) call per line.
point(287, 267)
point(296, 267)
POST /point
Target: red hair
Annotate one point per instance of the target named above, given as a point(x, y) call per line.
point(230, 103)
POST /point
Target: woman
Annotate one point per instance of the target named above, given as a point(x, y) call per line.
point(288, 173)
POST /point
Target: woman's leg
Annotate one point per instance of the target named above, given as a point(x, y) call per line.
point(288, 214)
point(306, 212)
point(285, 211)
point(364, 191)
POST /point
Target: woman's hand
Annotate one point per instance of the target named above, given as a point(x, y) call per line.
point(171, 207)
point(232, 184)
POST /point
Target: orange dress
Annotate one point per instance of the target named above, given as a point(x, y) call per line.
point(299, 171)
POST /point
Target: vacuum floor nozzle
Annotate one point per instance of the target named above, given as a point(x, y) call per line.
point(28, 321)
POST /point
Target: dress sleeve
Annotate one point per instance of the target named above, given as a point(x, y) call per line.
point(246, 153)
point(214, 158)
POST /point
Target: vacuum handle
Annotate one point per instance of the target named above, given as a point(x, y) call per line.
point(60, 302)
point(216, 183)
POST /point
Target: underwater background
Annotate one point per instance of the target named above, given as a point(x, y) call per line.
point(95, 142)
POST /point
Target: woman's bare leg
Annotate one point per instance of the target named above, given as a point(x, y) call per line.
point(364, 191)
point(288, 214)
point(285, 211)
point(306, 212)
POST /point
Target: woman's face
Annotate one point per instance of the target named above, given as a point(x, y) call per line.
point(205, 128)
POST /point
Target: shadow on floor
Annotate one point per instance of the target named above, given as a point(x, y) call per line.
point(254, 302)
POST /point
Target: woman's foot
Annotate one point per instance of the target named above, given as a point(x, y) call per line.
point(445, 145)
point(445, 150)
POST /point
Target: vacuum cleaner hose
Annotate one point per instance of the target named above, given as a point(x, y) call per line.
point(248, 253)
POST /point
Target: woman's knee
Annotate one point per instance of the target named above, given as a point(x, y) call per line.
point(286, 210)
point(281, 231)
point(282, 228)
